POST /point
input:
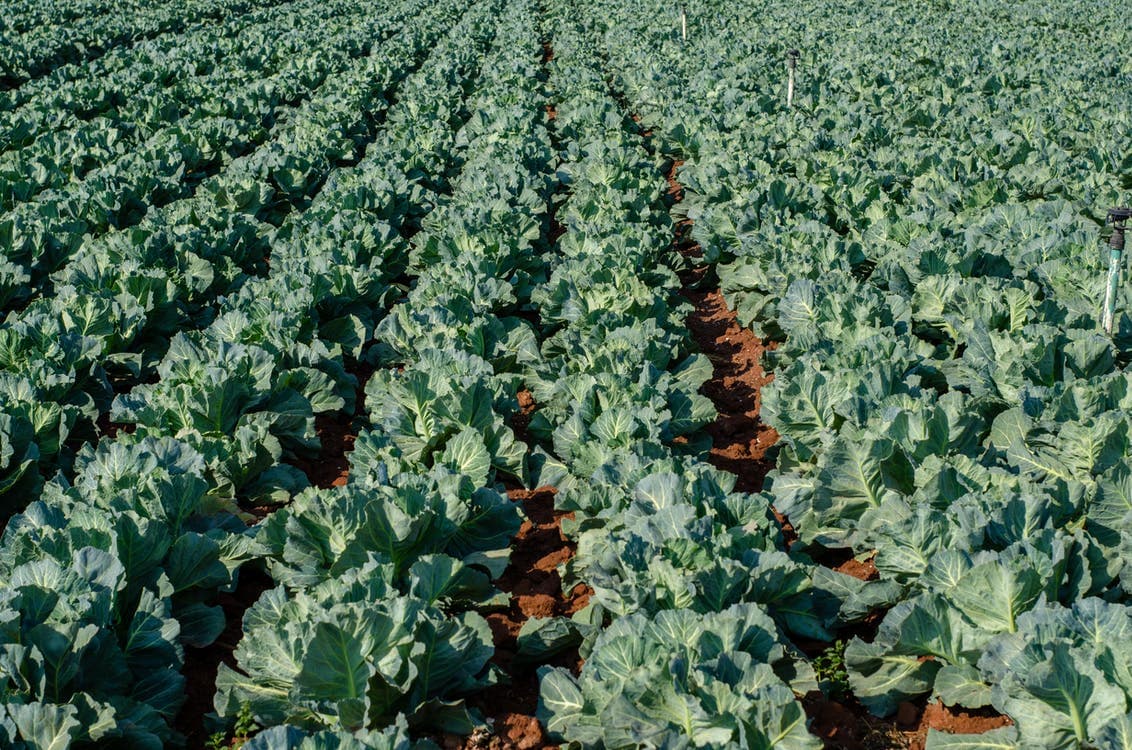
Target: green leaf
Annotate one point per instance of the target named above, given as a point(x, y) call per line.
point(1005, 738)
point(153, 638)
point(560, 703)
point(1117, 734)
point(194, 562)
point(437, 578)
point(466, 454)
point(334, 665)
point(44, 726)
point(201, 625)
point(882, 679)
point(1062, 701)
point(993, 594)
point(542, 637)
point(961, 685)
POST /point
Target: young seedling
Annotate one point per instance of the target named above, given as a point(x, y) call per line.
point(1118, 217)
point(245, 726)
point(829, 666)
point(791, 64)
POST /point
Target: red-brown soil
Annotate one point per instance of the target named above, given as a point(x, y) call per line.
point(522, 420)
point(535, 587)
point(865, 570)
point(739, 439)
point(336, 436)
point(332, 466)
point(847, 725)
point(957, 721)
point(108, 429)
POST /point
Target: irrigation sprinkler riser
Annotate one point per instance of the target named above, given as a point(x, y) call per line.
point(1118, 217)
point(791, 65)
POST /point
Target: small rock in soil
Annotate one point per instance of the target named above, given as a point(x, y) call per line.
point(907, 715)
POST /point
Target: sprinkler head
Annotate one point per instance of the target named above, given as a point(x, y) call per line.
point(792, 58)
point(1118, 217)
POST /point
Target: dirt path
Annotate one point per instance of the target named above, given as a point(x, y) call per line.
point(535, 587)
point(531, 579)
point(739, 439)
point(201, 664)
point(336, 435)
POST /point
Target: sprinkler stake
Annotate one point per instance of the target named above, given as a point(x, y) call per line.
point(1118, 217)
point(791, 64)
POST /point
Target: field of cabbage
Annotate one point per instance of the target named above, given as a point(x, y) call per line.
point(523, 373)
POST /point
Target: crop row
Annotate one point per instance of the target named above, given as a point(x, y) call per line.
point(229, 117)
point(921, 234)
point(35, 45)
point(390, 567)
point(93, 124)
point(75, 92)
point(109, 577)
point(120, 298)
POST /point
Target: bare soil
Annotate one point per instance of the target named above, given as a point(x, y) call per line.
point(201, 664)
point(108, 429)
point(332, 466)
point(521, 421)
point(957, 721)
point(843, 562)
point(848, 726)
point(739, 439)
point(336, 436)
point(535, 587)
